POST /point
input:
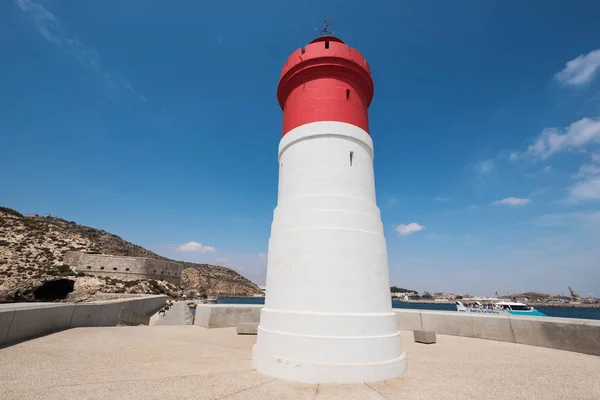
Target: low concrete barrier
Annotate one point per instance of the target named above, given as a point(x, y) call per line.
point(409, 320)
point(133, 319)
point(30, 321)
point(225, 315)
point(578, 335)
point(247, 328)
point(22, 321)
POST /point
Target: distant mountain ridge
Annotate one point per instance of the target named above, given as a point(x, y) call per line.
point(32, 249)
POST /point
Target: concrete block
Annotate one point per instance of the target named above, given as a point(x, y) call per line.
point(426, 337)
point(226, 315)
point(86, 315)
point(247, 328)
point(28, 323)
point(408, 320)
point(6, 318)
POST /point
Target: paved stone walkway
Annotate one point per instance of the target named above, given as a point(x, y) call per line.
point(176, 315)
point(189, 362)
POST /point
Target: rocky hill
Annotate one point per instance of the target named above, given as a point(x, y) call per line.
point(31, 260)
point(533, 296)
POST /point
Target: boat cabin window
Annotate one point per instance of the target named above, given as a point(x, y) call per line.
point(519, 308)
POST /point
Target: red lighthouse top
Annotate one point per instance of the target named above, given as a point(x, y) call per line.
point(325, 81)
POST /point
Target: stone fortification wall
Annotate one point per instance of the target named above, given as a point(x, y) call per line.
point(122, 267)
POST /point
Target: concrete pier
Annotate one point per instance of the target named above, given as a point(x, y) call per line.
point(189, 362)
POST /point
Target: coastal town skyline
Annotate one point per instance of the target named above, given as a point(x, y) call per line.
point(485, 124)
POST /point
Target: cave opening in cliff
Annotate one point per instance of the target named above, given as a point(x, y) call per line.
point(57, 289)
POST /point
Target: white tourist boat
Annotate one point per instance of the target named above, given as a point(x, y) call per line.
point(498, 307)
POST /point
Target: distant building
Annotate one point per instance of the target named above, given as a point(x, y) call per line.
point(444, 296)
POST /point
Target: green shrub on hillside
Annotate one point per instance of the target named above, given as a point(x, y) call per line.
point(155, 287)
point(64, 270)
point(11, 211)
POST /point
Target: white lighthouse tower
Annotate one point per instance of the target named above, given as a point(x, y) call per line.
point(328, 315)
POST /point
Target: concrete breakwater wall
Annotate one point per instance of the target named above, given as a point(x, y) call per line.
point(122, 267)
point(22, 321)
point(578, 335)
point(225, 315)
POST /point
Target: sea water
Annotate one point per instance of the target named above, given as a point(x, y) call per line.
point(563, 312)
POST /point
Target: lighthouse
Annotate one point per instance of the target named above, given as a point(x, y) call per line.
point(328, 316)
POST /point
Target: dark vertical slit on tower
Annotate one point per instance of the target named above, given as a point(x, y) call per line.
point(347, 94)
point(327, 44)
point(351, 156)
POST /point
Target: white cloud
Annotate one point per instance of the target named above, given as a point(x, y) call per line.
point(50, 27)
point(574, 218)
point(588, 170)
point(514, 156)
point(52, 30)
point(407, 229)
point(442, 199)
point(579, 134)
point(580, 70)
point(586, 190)
point(195, 247)
point(485, 167)
point(545, 170)
point(512, 202)
point(262, 257)
point(224, 262)
point(392, 201)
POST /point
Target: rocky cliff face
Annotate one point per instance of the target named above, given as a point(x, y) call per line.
point(214, 281)
point(31, 264)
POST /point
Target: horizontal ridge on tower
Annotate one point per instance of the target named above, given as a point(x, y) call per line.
point(326, 80)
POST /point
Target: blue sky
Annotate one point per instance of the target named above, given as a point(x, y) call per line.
point(158, 121)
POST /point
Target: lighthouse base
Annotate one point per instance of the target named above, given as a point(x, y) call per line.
point(311, 372)
point(307, 372)
point(342, 348)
